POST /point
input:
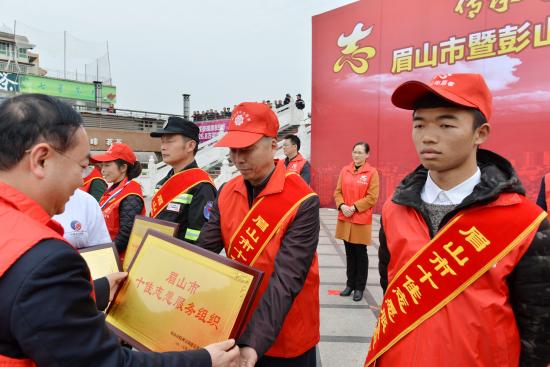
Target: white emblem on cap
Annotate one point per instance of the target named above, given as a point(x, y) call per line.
point(239, 119)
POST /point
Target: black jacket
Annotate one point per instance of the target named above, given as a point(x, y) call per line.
point(529, 283)
point(191, 215)
point(48, 315)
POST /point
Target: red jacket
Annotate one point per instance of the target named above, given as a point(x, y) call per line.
point(23, 224)
point(94, 175)
point(300, 331)
point(296, 164)
point(547, 193)
point(355, 186)
point(478, 327)
point(110, 203)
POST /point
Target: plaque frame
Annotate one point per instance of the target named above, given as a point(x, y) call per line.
point(102, 247)
point(245, 310)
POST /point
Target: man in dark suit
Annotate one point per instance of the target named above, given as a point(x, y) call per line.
point(48, 316)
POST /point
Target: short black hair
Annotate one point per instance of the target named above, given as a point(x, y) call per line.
point(432, 100)
point(132, 170)
point(28, 119)
point(364, 144)
point(294, 140)
point(186, 139)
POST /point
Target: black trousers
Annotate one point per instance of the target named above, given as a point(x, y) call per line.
point(357, 266)
point(308, 359)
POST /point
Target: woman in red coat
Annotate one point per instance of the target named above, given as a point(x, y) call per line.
point(355, 195)
point(124, 199)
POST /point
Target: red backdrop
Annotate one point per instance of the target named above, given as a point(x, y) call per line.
point(508, 41)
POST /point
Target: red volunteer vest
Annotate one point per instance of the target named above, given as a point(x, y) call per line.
point(477, 327)
point(110, 204)
point(23, 224)
point(355, 186)
point(94, 175)
point(296, 164)
point(300, 331)
point(547, 191)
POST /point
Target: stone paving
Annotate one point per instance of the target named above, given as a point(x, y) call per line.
point(346, 326)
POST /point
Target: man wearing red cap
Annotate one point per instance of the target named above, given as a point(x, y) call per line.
point(463, 255)
point(269, 219)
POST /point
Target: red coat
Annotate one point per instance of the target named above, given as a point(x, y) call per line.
point(94, 175)
point(110, 204)
point(355, 186)
point(478, 327)
point(300, 331)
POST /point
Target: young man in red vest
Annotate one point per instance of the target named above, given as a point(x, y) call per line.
point(294, 161)
point(48, 316)
point(269, 219)
point(463, 254)
point(185, 196)
point(543, 199)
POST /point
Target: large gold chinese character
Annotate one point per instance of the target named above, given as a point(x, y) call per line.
point(475, 238)
point(542, 39)
point(442, 265)
point(473, 7)
point(376, 334)
point(383, 320)
point(357, 58)
point(261, 223)
point(482, 44)
point(246, 244)
point(455, 253)
point(512, 39)
point(452, 50)
point(426, 56)
point(402, 60)
point(427, 277)
point(391, 309)
point(252, 232)
point(401, 299)
point(501, 6)
point(413, 289)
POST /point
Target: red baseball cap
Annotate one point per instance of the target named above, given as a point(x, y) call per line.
point(116, 151)
point(250, 121)
point(467, 90)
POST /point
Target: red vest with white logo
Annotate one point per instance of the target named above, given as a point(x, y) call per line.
point(300, 331)
point(355, 186)
point(94, 175)
point(110, 204)
point(547, 192)
point(23, 224)
point(296, 164)
point(478, 327)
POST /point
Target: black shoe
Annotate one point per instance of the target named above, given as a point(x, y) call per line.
point(346, 292)
point(357, 295)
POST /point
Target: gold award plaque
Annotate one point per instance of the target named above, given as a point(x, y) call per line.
point(141, 225)
point(180, 297)
point(101, 259)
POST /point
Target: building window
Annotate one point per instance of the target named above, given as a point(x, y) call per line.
point(3, 48)
point(22, 53)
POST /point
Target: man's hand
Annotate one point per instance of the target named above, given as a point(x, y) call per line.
point(114, 280)
point(224, 354)
point(249, 357)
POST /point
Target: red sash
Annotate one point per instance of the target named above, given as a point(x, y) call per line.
point(262, 222)
point(177, 185)
point(461, 252)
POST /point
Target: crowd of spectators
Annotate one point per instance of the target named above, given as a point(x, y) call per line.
point(225, 113)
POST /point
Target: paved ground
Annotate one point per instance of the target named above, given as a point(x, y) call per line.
point(346, 326)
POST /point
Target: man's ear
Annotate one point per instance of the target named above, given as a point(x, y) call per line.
point(482, 133)
point(38, 156)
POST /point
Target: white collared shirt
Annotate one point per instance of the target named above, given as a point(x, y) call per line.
point(433, 194)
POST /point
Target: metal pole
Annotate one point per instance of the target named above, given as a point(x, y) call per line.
point(109, 64)
point(64, 54)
